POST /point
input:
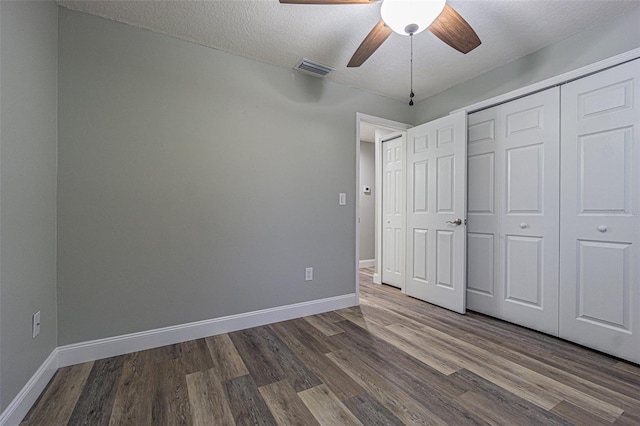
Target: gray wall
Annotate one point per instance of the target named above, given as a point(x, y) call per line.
point(367, 201)
point(195, 184)
point(28, 99)
point(587, 47)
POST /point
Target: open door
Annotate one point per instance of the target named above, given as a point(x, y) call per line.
point(393, 209)
point(436, 212)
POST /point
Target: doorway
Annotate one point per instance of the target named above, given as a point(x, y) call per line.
point(369, 133)
point(435, 208)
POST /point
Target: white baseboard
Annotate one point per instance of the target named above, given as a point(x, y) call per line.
point(77, 353)
point(120, 345)
point(367, 263)
point(377, 279)
point(21, 404)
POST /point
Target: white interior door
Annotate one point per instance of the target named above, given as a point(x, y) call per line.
point(393, 210)
point(600, 234)
point(436, 207)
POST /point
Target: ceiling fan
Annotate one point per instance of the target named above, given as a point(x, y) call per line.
point(409, 17)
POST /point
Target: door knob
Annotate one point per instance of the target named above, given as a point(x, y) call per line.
point(455, 222)
point(524, 225)
point(602, 228)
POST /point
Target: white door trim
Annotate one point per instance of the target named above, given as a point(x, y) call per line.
point(553, 81)
point(382, 122)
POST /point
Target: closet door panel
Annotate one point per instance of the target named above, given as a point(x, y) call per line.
point(600, 233)
point(482, 214)
point(528, 158)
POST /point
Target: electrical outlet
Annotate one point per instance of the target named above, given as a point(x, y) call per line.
point(308, 274)
point(35, 325)
point(342, 199)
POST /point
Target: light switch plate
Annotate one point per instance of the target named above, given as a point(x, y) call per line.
point(342, 199)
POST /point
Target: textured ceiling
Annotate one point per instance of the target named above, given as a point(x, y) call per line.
point(281, 34)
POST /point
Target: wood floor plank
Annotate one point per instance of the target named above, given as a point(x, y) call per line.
point(576, 415)
point(627, 419)
point(285, 405)
point(383, 317)
point(95, 403)
point(419, 350)
point(227, 363)
point(628, 368)
point(170, 398)
point(355, 316)
point(393, 362)
point(209, 403)
point(498, 406)
point(302, 345)
point(58, 400)
point(327, 408)
point(436, 394)
point(166, 353)
point(269, 360)
point(393, 397)
point(308, 334)
point(370, 412)
point(331, 316)
point(326, 327)
point(132, 404)
point(194, 357)
point(247, 405)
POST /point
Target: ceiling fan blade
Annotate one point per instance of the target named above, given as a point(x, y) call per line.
point(370, 44)
point(451, 28)
point(328, 1)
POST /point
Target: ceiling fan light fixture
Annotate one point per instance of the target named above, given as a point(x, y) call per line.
point(407, 17)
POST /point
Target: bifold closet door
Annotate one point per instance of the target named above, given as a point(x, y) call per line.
point(513, 233)
point(529, 210)
point(600, 231)
point(483, 248)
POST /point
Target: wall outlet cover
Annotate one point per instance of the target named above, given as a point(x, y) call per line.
point(35, 324)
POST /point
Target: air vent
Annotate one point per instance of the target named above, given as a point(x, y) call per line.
point(312, 68)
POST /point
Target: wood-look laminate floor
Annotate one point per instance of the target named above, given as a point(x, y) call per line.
point(393, 360)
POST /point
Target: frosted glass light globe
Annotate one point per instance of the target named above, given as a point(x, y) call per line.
point(410, 16)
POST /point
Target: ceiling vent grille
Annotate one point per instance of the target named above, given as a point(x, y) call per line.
point(312, 68)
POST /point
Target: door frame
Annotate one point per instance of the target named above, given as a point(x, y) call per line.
point(392, 125)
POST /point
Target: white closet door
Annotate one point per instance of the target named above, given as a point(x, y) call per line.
point(600, 234)
point(528, 179)
point(513, 235)
point(393, 211)
point(436, 207)
point(483, 248)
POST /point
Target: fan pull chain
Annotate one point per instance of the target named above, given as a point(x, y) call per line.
point(411, 94)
